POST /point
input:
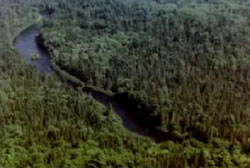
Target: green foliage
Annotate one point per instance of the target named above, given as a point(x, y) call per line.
point(185, 74)
point(186, 59)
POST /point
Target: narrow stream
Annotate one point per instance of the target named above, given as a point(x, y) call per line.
point(26, 45)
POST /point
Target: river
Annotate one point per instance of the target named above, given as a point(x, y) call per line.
point(26, 45)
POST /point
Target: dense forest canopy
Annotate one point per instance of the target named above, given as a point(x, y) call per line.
point(185, 62)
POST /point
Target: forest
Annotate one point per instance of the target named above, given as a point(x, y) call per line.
point(185, 63)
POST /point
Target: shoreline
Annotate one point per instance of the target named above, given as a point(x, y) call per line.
point(127, 107)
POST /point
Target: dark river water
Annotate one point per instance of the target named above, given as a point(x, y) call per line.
point(26, 45)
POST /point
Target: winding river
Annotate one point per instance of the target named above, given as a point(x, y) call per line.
point(26, 45)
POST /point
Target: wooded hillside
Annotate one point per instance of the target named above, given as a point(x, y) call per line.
point(186, 62)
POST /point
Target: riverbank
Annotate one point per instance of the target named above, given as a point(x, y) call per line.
point(15, 34)
point(132, 108)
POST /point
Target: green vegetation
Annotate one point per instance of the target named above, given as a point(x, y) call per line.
point(185, 60)
point(35, 57)
point(188, 60)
